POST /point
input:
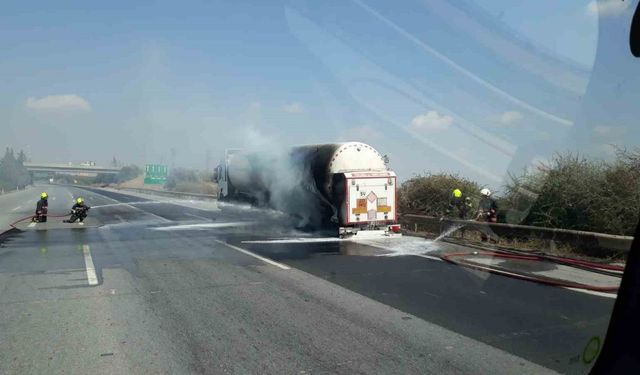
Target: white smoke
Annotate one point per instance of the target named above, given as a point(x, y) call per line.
point(287, 182)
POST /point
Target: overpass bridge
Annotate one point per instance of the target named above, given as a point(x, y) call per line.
point(72, 169)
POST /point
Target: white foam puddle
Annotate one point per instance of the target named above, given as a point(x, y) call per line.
point(404, 246)
point(204, 226)
point(398, 246)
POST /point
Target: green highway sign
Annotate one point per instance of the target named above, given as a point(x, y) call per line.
point(155, 174)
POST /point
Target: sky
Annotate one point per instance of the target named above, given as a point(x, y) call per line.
point(477, 88)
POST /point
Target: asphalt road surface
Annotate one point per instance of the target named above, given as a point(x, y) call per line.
point(152, 287)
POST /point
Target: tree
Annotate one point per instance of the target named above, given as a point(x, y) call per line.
point(128, 172)
point(12, 171)
point(178, 175)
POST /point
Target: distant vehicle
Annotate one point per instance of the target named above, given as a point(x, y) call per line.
point(343, 185)
point(51, 180)
point(88, 164)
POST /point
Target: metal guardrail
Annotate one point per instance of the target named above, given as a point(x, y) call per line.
point(590, 241)
point(176, 194)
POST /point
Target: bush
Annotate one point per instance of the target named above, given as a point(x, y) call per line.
point(430, 194)
point(128, 173)
point(190, 181)
point(573, 192)
point(196, 187)
point(180, 175)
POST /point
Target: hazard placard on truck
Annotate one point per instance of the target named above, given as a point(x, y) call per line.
point(370, 199)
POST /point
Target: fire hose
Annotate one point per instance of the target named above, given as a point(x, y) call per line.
point(606, 269)
point(30, 217)
point(455, 258)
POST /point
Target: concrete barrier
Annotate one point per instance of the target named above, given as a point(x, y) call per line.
point(590, 242)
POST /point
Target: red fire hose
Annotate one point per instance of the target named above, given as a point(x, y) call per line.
point(454, 259)
point(13, 225)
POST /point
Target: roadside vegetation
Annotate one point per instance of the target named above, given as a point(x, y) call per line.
point(13, 174)
point(179, 179)
point(570, 192)
point(429, 194)
point(190, 181)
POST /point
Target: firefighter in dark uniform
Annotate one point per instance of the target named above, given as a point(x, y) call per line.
point(487, 210)
point(41, 209)
point(78, 211)
point(459, 205)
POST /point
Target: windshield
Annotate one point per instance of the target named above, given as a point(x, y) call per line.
point(314, 187)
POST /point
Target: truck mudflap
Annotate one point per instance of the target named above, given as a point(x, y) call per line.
point(391, 230)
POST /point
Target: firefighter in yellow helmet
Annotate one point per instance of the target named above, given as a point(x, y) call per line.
point(42, 208)
point(78, 211)
point(459, 205)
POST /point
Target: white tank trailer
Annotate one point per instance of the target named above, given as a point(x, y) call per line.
point(342, 185)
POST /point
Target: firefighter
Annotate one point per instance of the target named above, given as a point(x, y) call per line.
point(78, 211)
point(487, 207)
point(487, 210)
point(459, 203)
point(41, 209)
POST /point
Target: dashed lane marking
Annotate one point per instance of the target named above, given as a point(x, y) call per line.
point(92, 278)
point(133, 207)
point(247, 252)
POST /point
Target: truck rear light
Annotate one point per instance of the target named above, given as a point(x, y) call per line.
point(394, 228)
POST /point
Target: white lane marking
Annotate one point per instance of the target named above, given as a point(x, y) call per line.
point(204, 226)
point(17, 208)
point(107, 198)
point(31, 225)
point(594, 292)
point(118, 204)
point(198, 217)
point(92, 278)
point(130, 206)
point(149, 213)
point(247, 252)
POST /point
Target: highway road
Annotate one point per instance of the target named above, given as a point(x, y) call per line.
point(152, 287)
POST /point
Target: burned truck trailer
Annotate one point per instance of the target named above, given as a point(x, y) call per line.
point(346, 185)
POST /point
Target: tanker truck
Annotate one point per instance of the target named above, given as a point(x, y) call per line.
point(343, 186)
